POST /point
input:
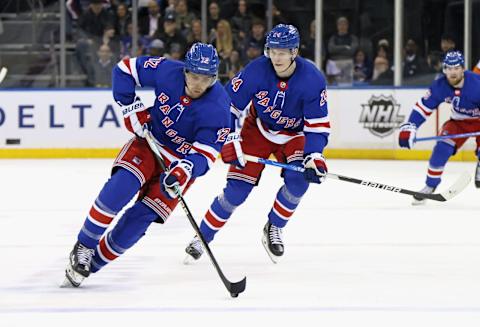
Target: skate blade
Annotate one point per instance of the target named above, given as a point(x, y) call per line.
point(189, 260)
point(272, 257)
point(67, 284)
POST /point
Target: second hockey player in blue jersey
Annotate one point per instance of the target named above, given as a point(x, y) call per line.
point(287, 117)
point(460, 89)
point(190, 120)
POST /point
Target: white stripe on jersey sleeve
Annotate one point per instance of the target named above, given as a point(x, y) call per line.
point(206, 150)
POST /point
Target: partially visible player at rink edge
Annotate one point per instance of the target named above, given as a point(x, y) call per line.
point(190, 121)
point(460, 89)
point(288, 117)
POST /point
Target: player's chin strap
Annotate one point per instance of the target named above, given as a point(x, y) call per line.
point(456, 188)
point(234, 288)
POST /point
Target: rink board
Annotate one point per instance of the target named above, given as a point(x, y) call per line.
point(88, 124)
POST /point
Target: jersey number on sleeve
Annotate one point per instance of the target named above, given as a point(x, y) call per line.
point(222, 135)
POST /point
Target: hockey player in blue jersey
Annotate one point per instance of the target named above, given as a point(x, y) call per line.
point(288, 118)
point(190, 121)
point(460, 89)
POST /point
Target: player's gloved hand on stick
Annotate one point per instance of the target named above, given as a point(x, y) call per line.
point(315, 168)
point(136, 117)
point(406, 138)
point(179, 174)
point(232, 150)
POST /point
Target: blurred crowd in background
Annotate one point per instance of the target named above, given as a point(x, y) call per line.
point(357, 48)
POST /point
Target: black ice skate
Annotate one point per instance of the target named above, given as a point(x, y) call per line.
point(272, 241)
point(477, 175)
point(419, 201)
point(194, 250)
point(78, 267)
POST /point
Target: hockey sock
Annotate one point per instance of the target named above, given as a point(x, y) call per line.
point(234, 194)
point(129, 229)
point(441, 153)
point(288, 198)
point(115, 194)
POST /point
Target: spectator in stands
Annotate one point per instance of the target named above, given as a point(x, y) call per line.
point(170, 7)
point(223, 39)
point(111, 40)
point(176, 52)
point(343, 44)
point(170, 34)
point(382, 74)
point(253, 51)
point(413, 64)
point(122, 19)
point(447, 43)
point(277, 16)
point(184, 18)
point(126, 44)
point(156, 48)
point(93, 22)
point(383, 49)
point(307, 48)
point(213, 18)
point(103, 66)
point(256, 36)
point(150, 22)
point(195, 33)
point(92, 25)
point(362, 68)
point(234, 64)
point(241, 22)
point(435, 63)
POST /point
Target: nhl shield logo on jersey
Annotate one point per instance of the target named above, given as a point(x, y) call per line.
point(282, 85)
point(381, 115)
point(185, 100)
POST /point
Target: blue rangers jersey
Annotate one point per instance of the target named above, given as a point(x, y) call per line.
point(465, 101)
point(194, 129)
point(283, 108)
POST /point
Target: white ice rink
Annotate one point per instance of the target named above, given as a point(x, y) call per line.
point(354, 256)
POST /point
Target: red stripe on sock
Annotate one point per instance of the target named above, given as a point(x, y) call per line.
point(213, 221)
point(105, 251)
point(98, 216)
point(281, 210)
point(435, 172)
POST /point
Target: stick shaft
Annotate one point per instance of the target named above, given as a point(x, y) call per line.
point(445, 137)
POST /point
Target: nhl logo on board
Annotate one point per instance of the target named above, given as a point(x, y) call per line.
point(381, 115)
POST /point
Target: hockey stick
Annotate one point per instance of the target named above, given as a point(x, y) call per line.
point(3, 73)
point(234, 288)
point(456, 188)
point(444, 137)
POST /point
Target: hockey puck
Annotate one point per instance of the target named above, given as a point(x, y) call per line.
point(234, 294)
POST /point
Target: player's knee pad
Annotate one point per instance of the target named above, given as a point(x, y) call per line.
point(441, 153)
point(236, 191)
point(133, 224)
point(295, 182)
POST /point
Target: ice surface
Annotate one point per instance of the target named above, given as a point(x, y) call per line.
point(354, 256)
